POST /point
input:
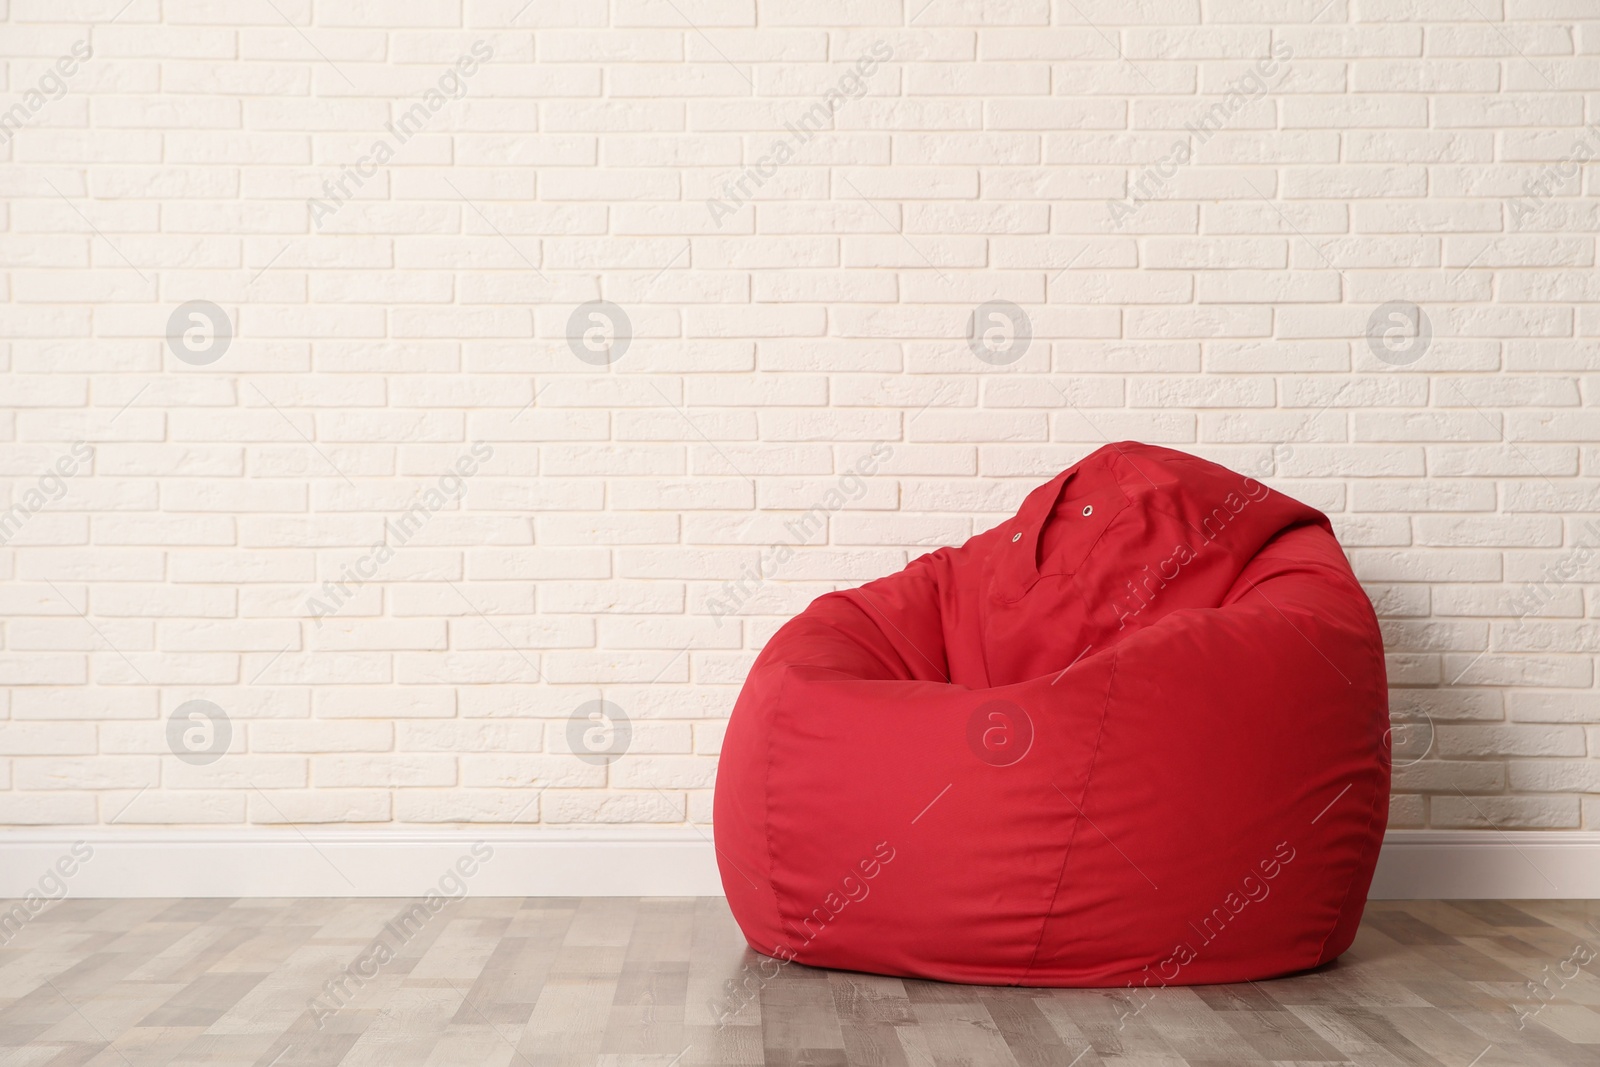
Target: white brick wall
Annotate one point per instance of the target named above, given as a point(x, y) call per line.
point(1200, 204)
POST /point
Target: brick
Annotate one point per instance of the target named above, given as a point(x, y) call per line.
point(46, 739)
point(392, 771)
point(334, 806)
point(1504, 813)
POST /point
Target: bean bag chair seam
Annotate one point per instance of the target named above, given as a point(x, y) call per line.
point(1375, 840)
point(766, 813)
point(1344, 901)
point(1088, 780)
point(767, 810)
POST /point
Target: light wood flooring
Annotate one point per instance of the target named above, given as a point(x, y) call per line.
point(626, 981)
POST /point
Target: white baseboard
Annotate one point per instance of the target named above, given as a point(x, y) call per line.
point(1488, 865)
point(1458, 864)
point(362, 863)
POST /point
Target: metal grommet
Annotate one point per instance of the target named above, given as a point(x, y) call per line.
point(1015, 538)
point(1088, 509)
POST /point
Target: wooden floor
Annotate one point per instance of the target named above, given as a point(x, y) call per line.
point(619, 982)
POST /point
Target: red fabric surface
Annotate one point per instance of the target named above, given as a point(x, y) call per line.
point(1134, 734)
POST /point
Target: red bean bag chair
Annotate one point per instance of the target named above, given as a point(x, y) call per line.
point(1136, 734)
